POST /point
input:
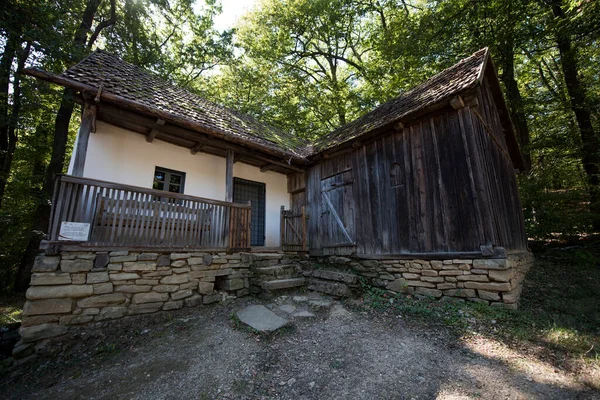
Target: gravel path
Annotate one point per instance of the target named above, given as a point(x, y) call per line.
point(341, 353)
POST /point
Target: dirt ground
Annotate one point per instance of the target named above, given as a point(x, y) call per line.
point(345, 352)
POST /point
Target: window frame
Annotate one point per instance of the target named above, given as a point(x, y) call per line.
point(168, 172)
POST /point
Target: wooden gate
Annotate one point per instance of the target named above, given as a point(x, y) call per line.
point(293, 230)
point(337, 211)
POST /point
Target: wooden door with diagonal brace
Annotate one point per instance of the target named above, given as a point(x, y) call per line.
point(337, 211)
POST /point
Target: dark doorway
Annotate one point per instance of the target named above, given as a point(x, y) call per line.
point(254, 192)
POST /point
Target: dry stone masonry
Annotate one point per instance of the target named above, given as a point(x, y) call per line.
point(76, 288)
point(497, 282)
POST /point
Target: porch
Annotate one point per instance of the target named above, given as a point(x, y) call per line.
point(99, 214)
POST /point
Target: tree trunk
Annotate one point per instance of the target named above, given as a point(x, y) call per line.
point(590, 145)
point(6, 165)
point(61, 135)
point(6, 62)
point(514, 99)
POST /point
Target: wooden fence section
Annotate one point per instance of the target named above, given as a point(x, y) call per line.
point(293, 230)
point(122, 215)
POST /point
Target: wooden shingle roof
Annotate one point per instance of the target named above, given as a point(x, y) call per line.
point(143, 88)
point(459, 77)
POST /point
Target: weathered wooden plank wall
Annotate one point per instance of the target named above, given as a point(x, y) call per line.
point(443, 184)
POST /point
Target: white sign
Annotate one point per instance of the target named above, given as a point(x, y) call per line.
point(74, 231)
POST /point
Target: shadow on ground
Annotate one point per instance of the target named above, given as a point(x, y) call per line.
point(344, 352)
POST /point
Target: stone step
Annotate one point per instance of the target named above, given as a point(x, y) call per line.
point(283, 283)
point(335, 276)
point(277, 270)
point(328, 287)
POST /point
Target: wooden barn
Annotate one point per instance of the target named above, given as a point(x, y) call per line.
point(174, 201)
point(428, 174)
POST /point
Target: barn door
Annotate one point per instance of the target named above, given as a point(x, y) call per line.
point(337, 211)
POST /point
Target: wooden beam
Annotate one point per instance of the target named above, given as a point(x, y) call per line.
point(398, 126)
point(83, 136)
point(229, 176)
point(196, 148)
point(140, 123)
point(457, 102)
point(237, 158)
point(155, 130)
point(267, 167)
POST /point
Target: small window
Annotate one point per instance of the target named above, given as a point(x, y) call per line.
point(396, 175)
point(168, 180)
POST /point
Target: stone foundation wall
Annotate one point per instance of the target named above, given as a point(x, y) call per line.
point(81, 287)
point(497, 282)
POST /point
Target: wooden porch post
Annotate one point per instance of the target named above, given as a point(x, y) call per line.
point(88, 121)
point(229, 176)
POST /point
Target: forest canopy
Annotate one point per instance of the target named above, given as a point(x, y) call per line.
point(308, 67)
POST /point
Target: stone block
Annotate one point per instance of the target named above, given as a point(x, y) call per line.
point(122, 259)
point(175, 279)
point(76, 265)
point(148, 257)
point(125, 276)
point(133, 288)
point(102, 300)
point(447, 285)
point(51, 292)
point(502, 275)
point(512, 296)
point(50, 278)
point(102, 260)
point(479, 271)
point(144, 308)
point(421, 284)
point(336, 276)
point(371, 264)
point(192, 284)
point(39, 319)
point(45, 263)
point(459, 293)
point(206, 287)
point(119, 253)
point(449, 272)
point(332, 288)
point(436, 279)
point(103, 288)
point(213, 298)
point(139, 266)
point(110, 313)
point(166, 288)
point(178, 263)
point(472, 278)
point(498, 263)
point(436, 264)
point(429, 272)
point(397, 286)
point(151, 297)
point(464, 267)
point(484, 294)
point(408, 275)
point(115, 267)
point(490, 286)
point(90, 311)
point(181, 270)
point(180, 256)
point(49, 306)
point(233, 284)
point(43, 331)
point(428, 292)
point(97, 277)
point(172, 305)
point(182, 294)
point(163, 261)
point(75, 319)
point(193, 301)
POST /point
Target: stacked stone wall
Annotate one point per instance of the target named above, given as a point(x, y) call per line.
point(81, 287)
point(497, 282)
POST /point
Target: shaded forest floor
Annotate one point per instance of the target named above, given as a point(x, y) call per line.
point(375, 347)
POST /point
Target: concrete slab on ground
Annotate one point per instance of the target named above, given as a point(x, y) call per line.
point(261, 318)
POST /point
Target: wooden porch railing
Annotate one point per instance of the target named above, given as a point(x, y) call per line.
point(122, 215)
point(293, 230)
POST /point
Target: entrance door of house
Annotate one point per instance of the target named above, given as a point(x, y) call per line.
point(245, 191)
